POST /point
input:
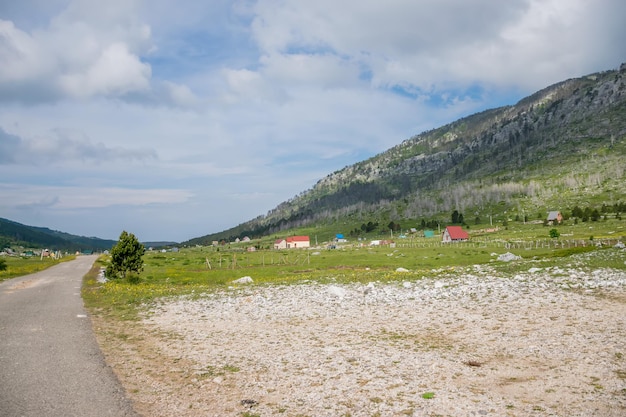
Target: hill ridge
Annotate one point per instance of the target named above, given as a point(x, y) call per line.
point(564, 144)
point(14, 234)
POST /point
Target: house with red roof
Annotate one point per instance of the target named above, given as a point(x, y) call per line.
point(454, 234)
point(293, 242)
point(280, 244)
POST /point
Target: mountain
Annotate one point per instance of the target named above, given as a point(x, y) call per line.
point(16, 234)
point(560, 147)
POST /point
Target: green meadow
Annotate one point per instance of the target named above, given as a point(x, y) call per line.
point(202, 269)
point(17, 266)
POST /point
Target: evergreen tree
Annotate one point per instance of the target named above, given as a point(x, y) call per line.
point(577, 212)
point(126, 257)
point(595, 215)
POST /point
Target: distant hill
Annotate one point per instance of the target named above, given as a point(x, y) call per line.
point(159, 244)
point(13, 234)
point(558, 148)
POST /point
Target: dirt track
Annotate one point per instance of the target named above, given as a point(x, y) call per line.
point(537, 344)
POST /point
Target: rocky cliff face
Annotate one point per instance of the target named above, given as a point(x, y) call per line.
point(553, 120)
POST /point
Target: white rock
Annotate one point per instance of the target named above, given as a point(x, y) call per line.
point(533, 270)
point(243, 280)
point(337, 292)
point(402, 270)
point(508, 257)
point(407, 284)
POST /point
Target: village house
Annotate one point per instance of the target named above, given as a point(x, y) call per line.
point(454, 234)
point(382, 243)
point(554, 217)
point(292, 242)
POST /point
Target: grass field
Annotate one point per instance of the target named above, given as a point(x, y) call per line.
point(199, 270)
point(17, 266)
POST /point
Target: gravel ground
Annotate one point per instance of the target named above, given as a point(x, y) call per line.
point(547, 342)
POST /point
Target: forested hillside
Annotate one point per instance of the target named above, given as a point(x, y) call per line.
point(13, 234)
point(562, 147)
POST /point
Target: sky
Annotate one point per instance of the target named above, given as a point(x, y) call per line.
point(176, 119)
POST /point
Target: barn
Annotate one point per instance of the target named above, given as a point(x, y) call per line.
point(554, 217)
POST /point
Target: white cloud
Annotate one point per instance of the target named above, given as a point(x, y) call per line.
point(64, 146)
point(199, 117)
point(181, 95)
point(88, 49)
point(115, 72)
point(20, 54)
point(313, 70)
point(429, 43)
point(60, 198)
point(245, 84)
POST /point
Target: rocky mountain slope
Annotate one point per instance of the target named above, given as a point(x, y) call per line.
point(562, 146)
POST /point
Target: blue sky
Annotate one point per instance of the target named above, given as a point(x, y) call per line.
point(172, 120)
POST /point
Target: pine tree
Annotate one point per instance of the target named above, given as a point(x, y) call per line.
point(126, 257)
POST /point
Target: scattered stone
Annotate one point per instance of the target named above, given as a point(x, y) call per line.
point(533, 270)
point(243, 280)
point(487, 328)
point(249, 403)
point(508, 257)
point(337, 292)
point(402, 270)
point(368, 288)
point(102, 276)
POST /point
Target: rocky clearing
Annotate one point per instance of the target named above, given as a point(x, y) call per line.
point(546, 342)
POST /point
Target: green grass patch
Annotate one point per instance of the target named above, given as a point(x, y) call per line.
point(199, 270)
point(18, 266)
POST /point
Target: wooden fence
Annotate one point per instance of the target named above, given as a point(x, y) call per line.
point(522, 244)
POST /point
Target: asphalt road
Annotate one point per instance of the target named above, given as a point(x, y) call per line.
point(50, 362)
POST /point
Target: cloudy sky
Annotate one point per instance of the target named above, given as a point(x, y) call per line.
point(175, 119)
